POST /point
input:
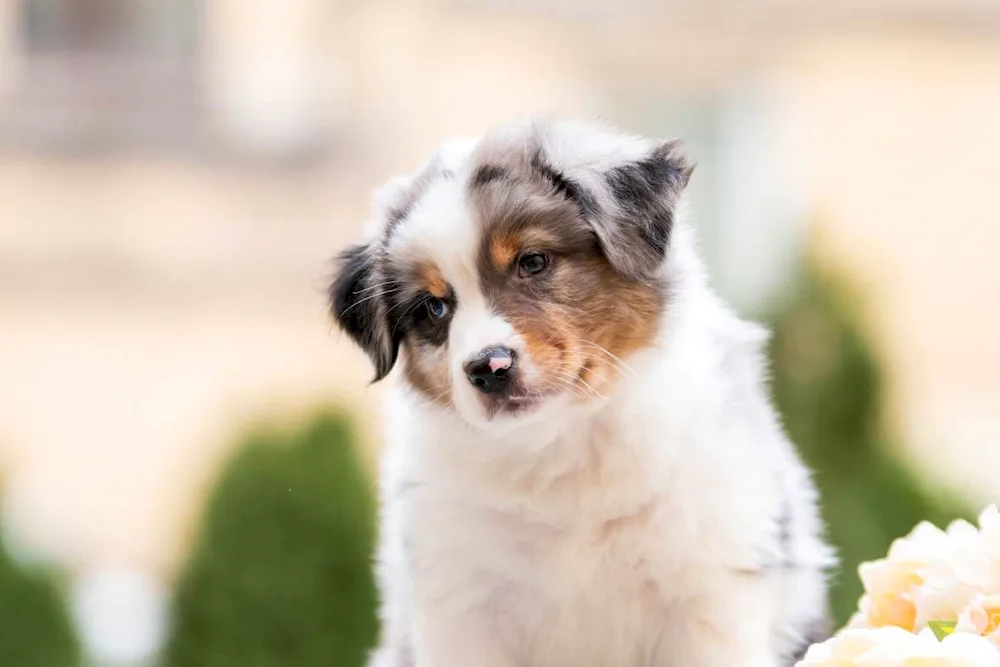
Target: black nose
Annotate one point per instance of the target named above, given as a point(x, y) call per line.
point(490, 370)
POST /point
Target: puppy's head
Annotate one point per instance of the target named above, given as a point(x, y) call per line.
point(512, 275)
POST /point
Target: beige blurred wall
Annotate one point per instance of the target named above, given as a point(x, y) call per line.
point(152, 307)
point(151, 311)
point(906, 148)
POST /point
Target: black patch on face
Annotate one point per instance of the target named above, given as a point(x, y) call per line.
point(636, 188)
point(407, 306)
point(636, 236)
point(375, 302)
point(357, 302)
point(565, 186)
point(633, 185)
point(488, 173)
point(425, 328)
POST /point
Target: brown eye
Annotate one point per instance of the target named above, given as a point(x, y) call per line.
point(531, 264)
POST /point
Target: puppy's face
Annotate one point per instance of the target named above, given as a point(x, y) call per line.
point(515, 277)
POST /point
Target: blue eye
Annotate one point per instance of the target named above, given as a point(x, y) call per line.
point(437, 308)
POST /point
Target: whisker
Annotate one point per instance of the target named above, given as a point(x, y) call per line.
point(576, 391)
point(600, 376)
point(610, 354)
point(399, 304)
point(367, 298)
point(376, 286)
point(587, 385)
point(569, 382)
point(573, 379)
point(441, 394)
point(402, 317)
point(604, 361)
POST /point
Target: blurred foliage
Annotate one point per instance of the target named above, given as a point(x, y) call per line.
point(281, 572)
point(827, 384)
point(35, 628)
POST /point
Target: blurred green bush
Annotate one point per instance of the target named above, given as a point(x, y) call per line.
point(35, 628)
point(280, 575)
point(827, 384)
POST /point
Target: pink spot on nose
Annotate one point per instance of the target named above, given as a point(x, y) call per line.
point(499, 362)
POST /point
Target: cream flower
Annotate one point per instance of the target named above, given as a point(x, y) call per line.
point(895, 647)
point(982, 617)
point(931, 575)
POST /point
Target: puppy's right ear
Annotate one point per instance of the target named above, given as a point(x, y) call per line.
point(358, 304)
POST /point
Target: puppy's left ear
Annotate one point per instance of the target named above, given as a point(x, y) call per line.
point(634, 220)
point(358, 305)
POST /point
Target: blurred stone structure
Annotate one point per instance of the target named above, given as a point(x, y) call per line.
point(175, 175)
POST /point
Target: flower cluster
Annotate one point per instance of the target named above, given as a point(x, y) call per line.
point(934, 600)
point(895, 647)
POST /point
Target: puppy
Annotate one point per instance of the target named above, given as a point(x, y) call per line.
point(583, 467)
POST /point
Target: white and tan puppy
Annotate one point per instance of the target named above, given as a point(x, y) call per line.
point(583, 467)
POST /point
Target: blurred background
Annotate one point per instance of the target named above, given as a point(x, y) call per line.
point(186, 445)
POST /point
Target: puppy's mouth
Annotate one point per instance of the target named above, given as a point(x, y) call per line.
point(513, 405)
point(523, 400)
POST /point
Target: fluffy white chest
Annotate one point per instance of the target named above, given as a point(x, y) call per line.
point(580, 594)
point(584, 566)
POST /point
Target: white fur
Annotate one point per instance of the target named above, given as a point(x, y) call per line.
point(637, 531)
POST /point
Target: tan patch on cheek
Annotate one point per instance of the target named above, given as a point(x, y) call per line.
point(626, 318)
point(547, 341)
point(427, 374)
point(546, 351)
point(581, 348)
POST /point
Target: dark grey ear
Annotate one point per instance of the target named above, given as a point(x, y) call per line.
point(634, 221)
point(358, 305)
